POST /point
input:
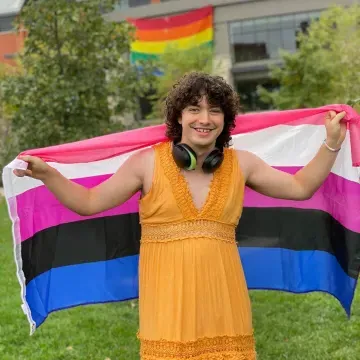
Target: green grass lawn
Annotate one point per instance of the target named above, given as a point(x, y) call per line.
point(306, 327)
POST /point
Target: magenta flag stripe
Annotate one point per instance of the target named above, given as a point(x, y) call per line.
point(337, 196)
point(38, 208)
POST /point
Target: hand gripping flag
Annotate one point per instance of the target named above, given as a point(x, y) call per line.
point(65, 260)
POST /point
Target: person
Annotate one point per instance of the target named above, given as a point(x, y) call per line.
point(193, 298)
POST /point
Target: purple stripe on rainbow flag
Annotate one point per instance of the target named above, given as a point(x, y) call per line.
point(333, 197)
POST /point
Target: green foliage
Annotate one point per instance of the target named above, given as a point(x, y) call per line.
point(287, 326)
point(76, 78)
point(7, 140)
point(324, 70)
point(173, 64)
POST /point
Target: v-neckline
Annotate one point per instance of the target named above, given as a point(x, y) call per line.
point(189, 195)
point(181, 190)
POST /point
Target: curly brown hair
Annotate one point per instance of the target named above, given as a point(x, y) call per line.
point(188, 91)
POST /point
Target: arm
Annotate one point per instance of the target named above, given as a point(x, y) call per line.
point(301, 186)
point(127, 180)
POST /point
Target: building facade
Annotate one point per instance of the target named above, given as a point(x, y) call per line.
point(10, 43)
point(247, 34)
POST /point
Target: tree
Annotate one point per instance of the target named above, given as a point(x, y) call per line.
point(76, 76)
point(172, 65)
point(325, 68)
point(7, 140)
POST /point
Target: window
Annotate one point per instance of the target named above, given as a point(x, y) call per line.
point(249, 97)
point(260, 39)
point(134, 3)
point(6, 23)
point(125, 4)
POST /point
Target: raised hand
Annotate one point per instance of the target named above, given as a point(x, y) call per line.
point(335, 129)
point(37, 168)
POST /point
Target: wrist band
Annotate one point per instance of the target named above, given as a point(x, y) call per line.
point(331, 149)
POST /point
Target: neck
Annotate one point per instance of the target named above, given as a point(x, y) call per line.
point(201, 152)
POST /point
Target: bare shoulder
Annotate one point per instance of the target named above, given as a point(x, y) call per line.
point(243, 154)
point(144, 155)
point(143, 160)
point(143, 164)
point(246, 160)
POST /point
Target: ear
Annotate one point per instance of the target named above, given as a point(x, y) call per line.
point(180, 120)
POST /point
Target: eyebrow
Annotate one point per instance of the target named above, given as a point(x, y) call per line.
point(211, 105)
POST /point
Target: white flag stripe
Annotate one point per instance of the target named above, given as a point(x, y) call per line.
point(281, 145)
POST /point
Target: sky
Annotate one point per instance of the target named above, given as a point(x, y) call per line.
point(10, 6)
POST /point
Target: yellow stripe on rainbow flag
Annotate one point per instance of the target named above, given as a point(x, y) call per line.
point(158, 47)
point(182, 32)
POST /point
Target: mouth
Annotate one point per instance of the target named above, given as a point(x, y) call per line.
point(202, 130)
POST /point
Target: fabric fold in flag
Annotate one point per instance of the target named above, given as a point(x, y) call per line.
point(65, 260)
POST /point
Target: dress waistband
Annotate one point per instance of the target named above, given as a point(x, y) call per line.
point(186, 230)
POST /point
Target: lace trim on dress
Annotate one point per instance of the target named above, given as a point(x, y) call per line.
point(240, 347)
point(188, 229)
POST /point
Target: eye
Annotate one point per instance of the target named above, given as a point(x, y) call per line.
point(193, 109)
point(216, 110)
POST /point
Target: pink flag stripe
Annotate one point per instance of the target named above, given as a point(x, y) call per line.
point(38, 209)
point(337, 196)
point(107, 146)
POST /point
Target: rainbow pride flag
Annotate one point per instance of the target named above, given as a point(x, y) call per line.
point(183, 32)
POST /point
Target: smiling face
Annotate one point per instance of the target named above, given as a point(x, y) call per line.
point(200, 110)
point(201, 123)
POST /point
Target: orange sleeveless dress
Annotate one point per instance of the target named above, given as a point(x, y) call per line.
point(193, 299)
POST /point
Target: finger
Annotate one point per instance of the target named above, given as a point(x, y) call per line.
point(332, 114)
point(338, 117)
point(26, 158)
point(19, 173)
point(22, 173)
point(329, 116)
point(28, 173)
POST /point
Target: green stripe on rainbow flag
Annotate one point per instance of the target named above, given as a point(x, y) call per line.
point(184, 32)
point(138, 56)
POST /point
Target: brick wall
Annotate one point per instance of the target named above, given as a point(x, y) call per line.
point(10, 44)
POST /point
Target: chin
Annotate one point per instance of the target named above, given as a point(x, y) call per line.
point(204, 142)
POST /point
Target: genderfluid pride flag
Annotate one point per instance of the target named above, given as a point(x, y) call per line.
point(65, 260)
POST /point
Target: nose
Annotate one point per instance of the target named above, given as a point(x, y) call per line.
point(204, 117)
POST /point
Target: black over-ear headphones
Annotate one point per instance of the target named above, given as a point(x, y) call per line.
point(185, 158)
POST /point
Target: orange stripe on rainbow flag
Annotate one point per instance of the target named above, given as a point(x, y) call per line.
point(159, 47)
point(174, 32)
point(182, 32)
point(172, 21)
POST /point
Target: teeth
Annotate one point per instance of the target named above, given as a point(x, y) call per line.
point(203, 130)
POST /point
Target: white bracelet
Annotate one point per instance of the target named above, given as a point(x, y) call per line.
point(331, 149)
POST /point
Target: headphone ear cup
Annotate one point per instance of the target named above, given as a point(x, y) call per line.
point(184, 156)
point(213, 161)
